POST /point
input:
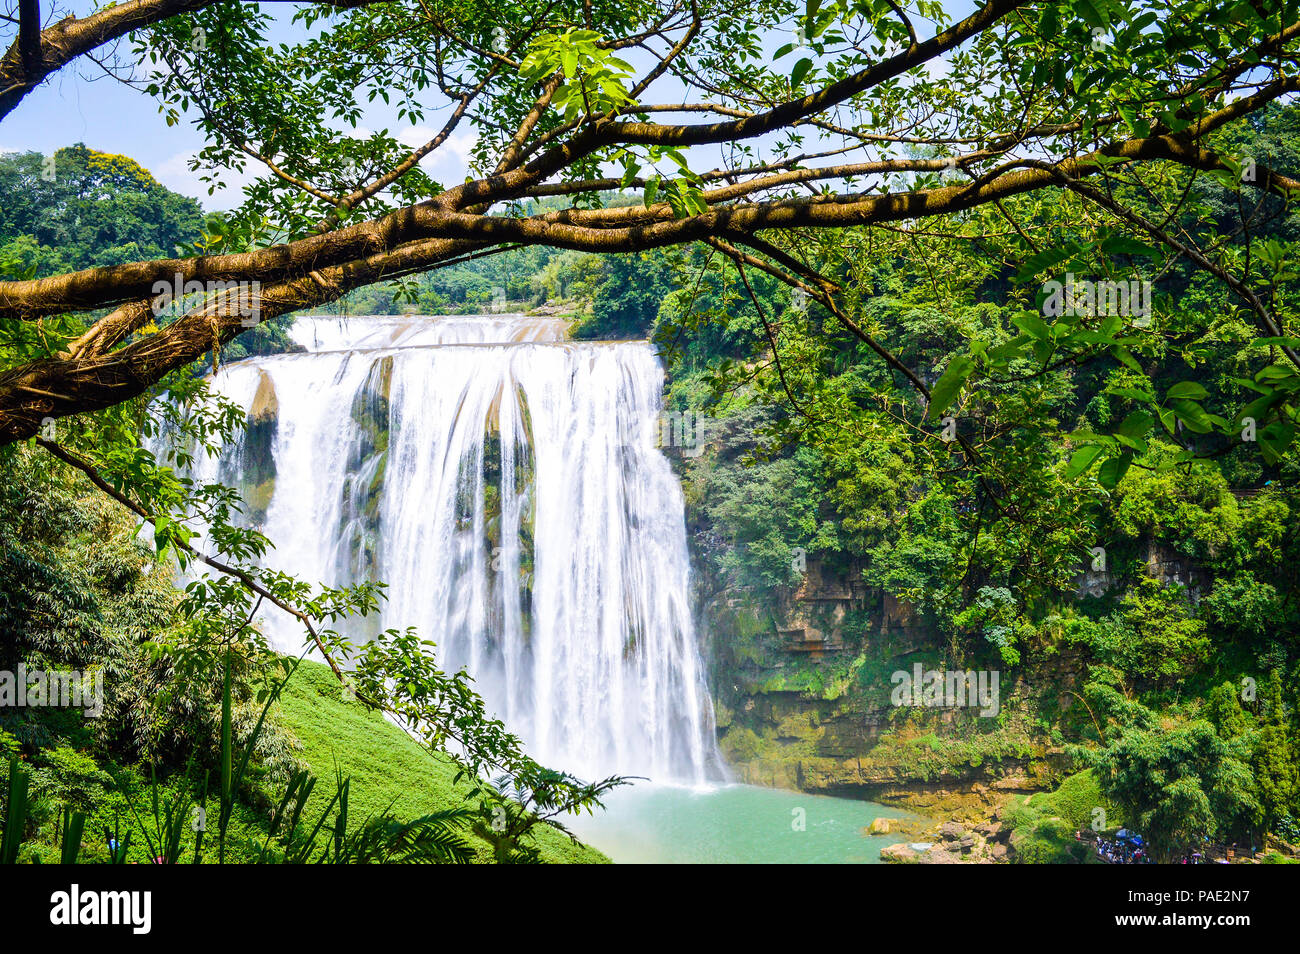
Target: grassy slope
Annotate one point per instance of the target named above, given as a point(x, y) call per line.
point(387, 767)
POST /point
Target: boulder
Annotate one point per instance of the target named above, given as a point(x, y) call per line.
point(938, 856)
point(899, 854)
point(880, 826)
point(951, 831)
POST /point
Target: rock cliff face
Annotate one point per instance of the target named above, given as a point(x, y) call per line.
point(812, 618)
point(257, 469)
point(804, 684)
point(1160, 562)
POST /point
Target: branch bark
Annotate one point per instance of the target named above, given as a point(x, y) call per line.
point(99, 368)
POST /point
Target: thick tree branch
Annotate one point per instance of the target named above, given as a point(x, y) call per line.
point(34, 57)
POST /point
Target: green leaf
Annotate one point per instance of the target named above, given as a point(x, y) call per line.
point(1136, 424)
point(1032, 325)
point(1123, 245)
point(949, 385)
point(1047, 259)
point(1133, 394)
point(1274, 372)
point(1275, 439)
point(1192, 415)
point(1082, 459)
point(1133, 443)
point(1094, 13)
point(1187, 389)
point(1260, 407)
point(1125, 357)
point(1005, 352)
point(1113, 470)
point(810, 15)
point(800, 71)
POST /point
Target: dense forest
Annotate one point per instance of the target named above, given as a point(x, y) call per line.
point(1012, 393)
point(809, 450)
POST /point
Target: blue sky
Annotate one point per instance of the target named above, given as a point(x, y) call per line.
point(82, 104)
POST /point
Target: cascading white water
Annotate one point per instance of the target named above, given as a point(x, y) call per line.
point(507, 486)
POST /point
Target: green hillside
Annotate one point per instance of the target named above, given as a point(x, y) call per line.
point(389, 770)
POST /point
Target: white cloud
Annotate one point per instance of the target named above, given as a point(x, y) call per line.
point(175, 174)
point(450, 161)
point(413, 136)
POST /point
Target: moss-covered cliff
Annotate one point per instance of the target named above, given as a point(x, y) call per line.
point(802, 687)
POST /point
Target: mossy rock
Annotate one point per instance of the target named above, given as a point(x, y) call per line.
point(740, 744)
point(722, 716)
point(257, 499)
point(260, 428)
point(801, 726)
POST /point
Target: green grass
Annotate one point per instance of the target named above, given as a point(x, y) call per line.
point(1075, 801)
point(390, 771)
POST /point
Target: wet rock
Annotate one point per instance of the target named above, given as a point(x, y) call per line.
point(266, 405)
point(722, 716)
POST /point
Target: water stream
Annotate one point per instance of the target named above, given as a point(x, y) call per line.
point(508, 486)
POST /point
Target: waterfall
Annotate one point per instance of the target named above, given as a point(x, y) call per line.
point(506, 484)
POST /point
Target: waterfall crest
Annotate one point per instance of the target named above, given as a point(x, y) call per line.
point(505, 482)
